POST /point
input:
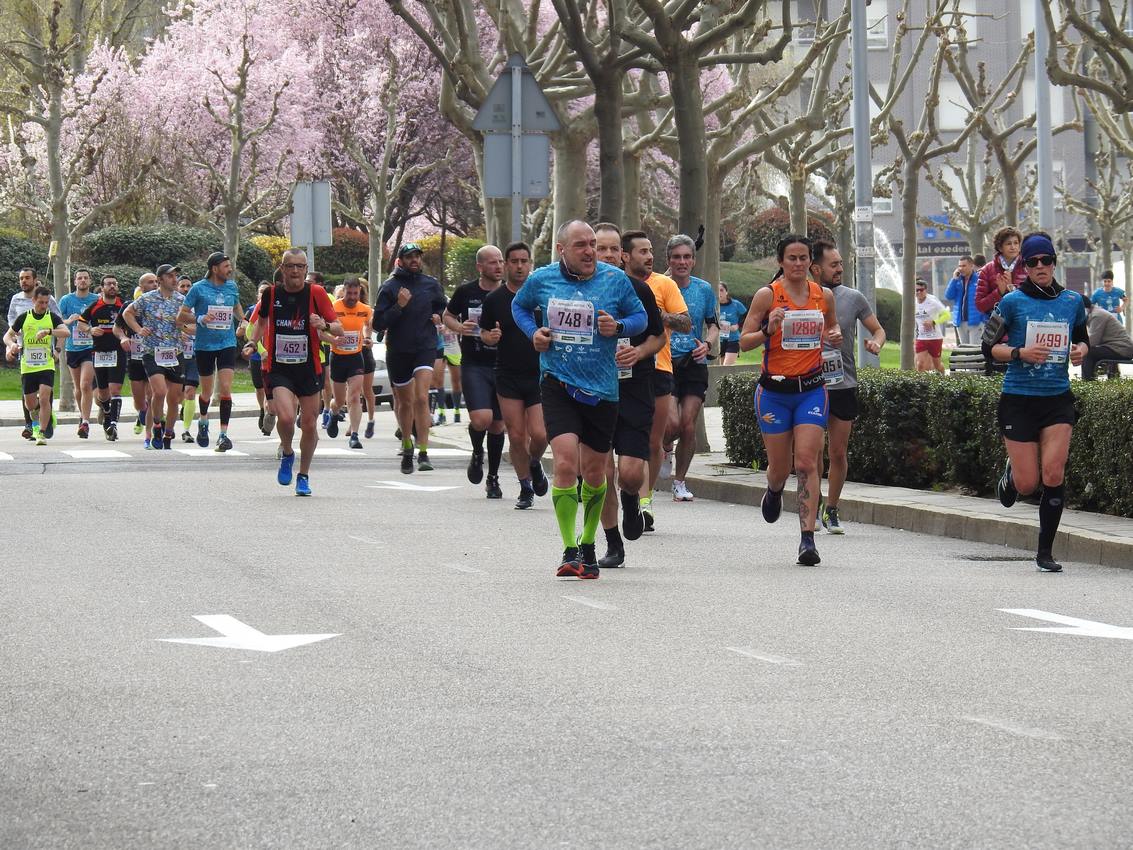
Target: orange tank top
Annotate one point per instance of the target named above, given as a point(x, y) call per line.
point(795, 350)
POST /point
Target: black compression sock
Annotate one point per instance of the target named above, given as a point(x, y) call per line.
point(1050, 515)
point(614, 538)
point(225, 412)
point(203, 407)
point(477, 439)
point(495, 452)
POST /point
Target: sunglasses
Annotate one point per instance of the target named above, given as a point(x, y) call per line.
point(1043, 260)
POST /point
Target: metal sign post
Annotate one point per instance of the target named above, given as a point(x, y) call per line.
point(310, 217)
point(514, 118)
point(863, 172)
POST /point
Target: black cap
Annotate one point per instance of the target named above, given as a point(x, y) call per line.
point(409, 248)
point(216, 258)
point(166, 268)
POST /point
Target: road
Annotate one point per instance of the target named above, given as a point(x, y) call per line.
point(710, 695)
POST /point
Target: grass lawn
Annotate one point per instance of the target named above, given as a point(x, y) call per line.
point(10, 383)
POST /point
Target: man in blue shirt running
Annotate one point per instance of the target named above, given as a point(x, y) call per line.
point(80, 346)
point(1109, 297)
point(587, 307)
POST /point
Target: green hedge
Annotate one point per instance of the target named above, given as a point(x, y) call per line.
point(349, 255)
point(928, 431)
point(17, 253)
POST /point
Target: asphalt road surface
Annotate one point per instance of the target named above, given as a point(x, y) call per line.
point(712, 694)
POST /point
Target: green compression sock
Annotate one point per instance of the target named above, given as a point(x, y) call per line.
point(592, 499)
point(565, 501)
point(189, 413)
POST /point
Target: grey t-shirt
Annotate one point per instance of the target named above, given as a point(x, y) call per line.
point(851, 307)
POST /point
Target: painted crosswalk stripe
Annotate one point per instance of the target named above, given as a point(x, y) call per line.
point(333, 452)
point(199, 452)
point(95, 454)
point(6, 456)
point(748, 652)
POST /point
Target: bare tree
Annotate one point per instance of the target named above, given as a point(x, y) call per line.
point(1109, 71)
point(1111, 210)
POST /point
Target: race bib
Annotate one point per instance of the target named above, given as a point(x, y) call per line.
point(624, 372)
point(218, 317)
point(350, 340)
point(136, 348)
point(291, 348)
point(802, 330)
point(37, 355)
point(833, 372)
point(105, 359)
point(188, 344)
point(165, 357)
point(571, 321)
point(81, 338)
point(1054, 335)
point(725, 327)
point(474, 314)
point(452, 344)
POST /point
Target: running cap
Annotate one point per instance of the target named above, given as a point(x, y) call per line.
point(166, 268)
point(409, 248)
point(216, 258)
point(1036, 245)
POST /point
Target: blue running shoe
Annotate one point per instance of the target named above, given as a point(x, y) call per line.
point(302, 485)
point(203, 434)
point(286, 464)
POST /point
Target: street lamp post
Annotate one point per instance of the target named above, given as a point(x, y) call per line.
point(863, 171)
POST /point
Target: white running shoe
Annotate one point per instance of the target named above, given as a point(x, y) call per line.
point(681, 493)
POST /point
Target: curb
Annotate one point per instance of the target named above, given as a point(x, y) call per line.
point(1071, 545)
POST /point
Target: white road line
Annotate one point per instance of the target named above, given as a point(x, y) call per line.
point(763, 656)
point(1014, 729)
point(590, 603)
point(461, 568)
point(366, 540)
point(334, 452)
point(6, 456)
point(95, 454)
point(199, 452)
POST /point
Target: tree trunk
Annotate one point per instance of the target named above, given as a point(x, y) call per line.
point(688, 116)
point(1105, 252)
point(608, 99)
point(796, 199)
point(910, 173)
point(232, 235)
point(977, 239)
point(1010, 197)
point(631, 185)
point(570, 176)
point(60, 220)
point(708, 258)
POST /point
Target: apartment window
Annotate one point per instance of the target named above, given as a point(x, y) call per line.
point(1058, 182)
point(1027, 17)
point(804, 14)
point(968, 10)
point(952, 110)
point(1057, 101)
point(877, 22)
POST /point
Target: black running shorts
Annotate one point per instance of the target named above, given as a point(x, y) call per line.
point(524, 388)
point(843, 403)
point(593, 424)
point(1023, 417)
point(635, 417)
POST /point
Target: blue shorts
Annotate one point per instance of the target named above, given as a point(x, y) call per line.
point(778, 413)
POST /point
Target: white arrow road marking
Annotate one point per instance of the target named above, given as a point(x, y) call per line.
point(95, 454)
point(590, 603)
point(1014, 729)
point(1071, 625)
point(401, 485)
point(239, 635)
point(763, 656)
point(199, 452)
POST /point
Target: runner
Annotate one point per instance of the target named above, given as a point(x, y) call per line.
point(347, 365)
point(635, 358)
point(791, 319)
point(190, 377)
point(80, 347)
point(1046, 332)
point(931, 315)
point(213, 304)
point(135, 365)
point(587, 307)
point(369, 364)
point(21, 303)
point(674, 314)
point(478, 368)
point(153, 317)
point(448, 356)
point(517, 378)
point(839, 367)
point(408, 309)
point(732, 312)
point(101, 320)
point(31, 337)
point(291, 315)
point(253, 353)
point(690, 356)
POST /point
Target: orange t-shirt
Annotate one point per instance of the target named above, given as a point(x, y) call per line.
point(353, 320)
point(669, 300)
point(795, 349)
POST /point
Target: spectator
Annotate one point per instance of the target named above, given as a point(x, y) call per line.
point(1110, 297)
point(961, 292)
point(1108, 339)
point(1004, 273)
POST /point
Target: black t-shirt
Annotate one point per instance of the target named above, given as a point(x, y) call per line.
point(654, 326)
point(515, 355)
point(290, 314)
point(100, 314)
point(468, 302)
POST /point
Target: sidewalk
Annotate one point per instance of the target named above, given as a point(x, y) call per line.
point(1086, 537)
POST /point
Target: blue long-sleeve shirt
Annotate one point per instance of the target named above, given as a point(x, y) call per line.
point(579, 355)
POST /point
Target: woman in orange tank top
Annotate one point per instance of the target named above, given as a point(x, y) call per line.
point(790, 318)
